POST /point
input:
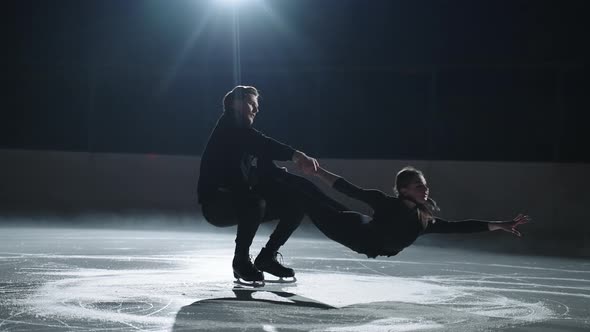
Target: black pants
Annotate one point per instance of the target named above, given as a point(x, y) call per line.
point(337, 222)
point(269, 200)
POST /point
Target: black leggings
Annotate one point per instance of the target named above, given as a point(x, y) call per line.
point(269, 201)
point(333, 219)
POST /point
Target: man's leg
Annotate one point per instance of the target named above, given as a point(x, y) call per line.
point(250, 211)
point(289, 215)
point(281, 205)
point(246, 211)
point(289, 220)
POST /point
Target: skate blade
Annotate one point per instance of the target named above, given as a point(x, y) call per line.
point(281, 280)
point(250, 284)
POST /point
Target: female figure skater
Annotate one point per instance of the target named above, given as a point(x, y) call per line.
point(397, 220)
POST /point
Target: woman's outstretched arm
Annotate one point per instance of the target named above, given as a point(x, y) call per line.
point(470, 226)
point(372, 197)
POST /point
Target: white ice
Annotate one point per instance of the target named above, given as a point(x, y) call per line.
point(71, 279)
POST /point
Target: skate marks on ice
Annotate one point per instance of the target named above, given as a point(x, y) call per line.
point(348, 302)
point(229, 314)
point(536, 294)
point(173, 280)
point(193, 292)
point(277, 310)
point(105, 292)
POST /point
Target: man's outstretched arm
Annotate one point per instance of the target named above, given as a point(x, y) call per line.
point(259, 144)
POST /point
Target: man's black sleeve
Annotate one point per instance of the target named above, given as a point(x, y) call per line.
point(465, 226)
point(372, 197)
point(261, 145)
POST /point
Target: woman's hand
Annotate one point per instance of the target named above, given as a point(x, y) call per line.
point(510, 226)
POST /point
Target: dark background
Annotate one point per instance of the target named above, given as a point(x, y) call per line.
point(433, 80)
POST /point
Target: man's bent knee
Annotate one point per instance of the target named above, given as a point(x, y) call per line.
point(219, 217)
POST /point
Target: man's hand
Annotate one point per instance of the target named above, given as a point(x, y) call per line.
point(510, 226)
point(305, 163)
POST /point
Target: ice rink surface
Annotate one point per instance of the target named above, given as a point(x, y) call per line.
point(127, 280)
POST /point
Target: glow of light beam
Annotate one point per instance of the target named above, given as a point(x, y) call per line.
point(231, 2)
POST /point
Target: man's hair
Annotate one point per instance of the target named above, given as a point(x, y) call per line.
point(238, 93)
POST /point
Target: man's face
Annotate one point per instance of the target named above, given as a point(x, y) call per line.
point(247, 109)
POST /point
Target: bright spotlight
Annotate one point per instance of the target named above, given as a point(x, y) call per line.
point(230, 2)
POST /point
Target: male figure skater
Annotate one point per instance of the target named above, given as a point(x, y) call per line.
point(239, 184)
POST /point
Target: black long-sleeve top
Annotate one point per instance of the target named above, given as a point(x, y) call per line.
point(235, 156)
point(398, 225)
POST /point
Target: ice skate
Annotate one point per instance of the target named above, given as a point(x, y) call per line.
point(246, 273)
point(267, 262)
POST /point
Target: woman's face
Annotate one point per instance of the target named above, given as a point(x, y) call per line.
point(417, 190)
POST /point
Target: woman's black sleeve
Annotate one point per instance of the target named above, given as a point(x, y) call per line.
point(372, 197)
point(439, 225)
